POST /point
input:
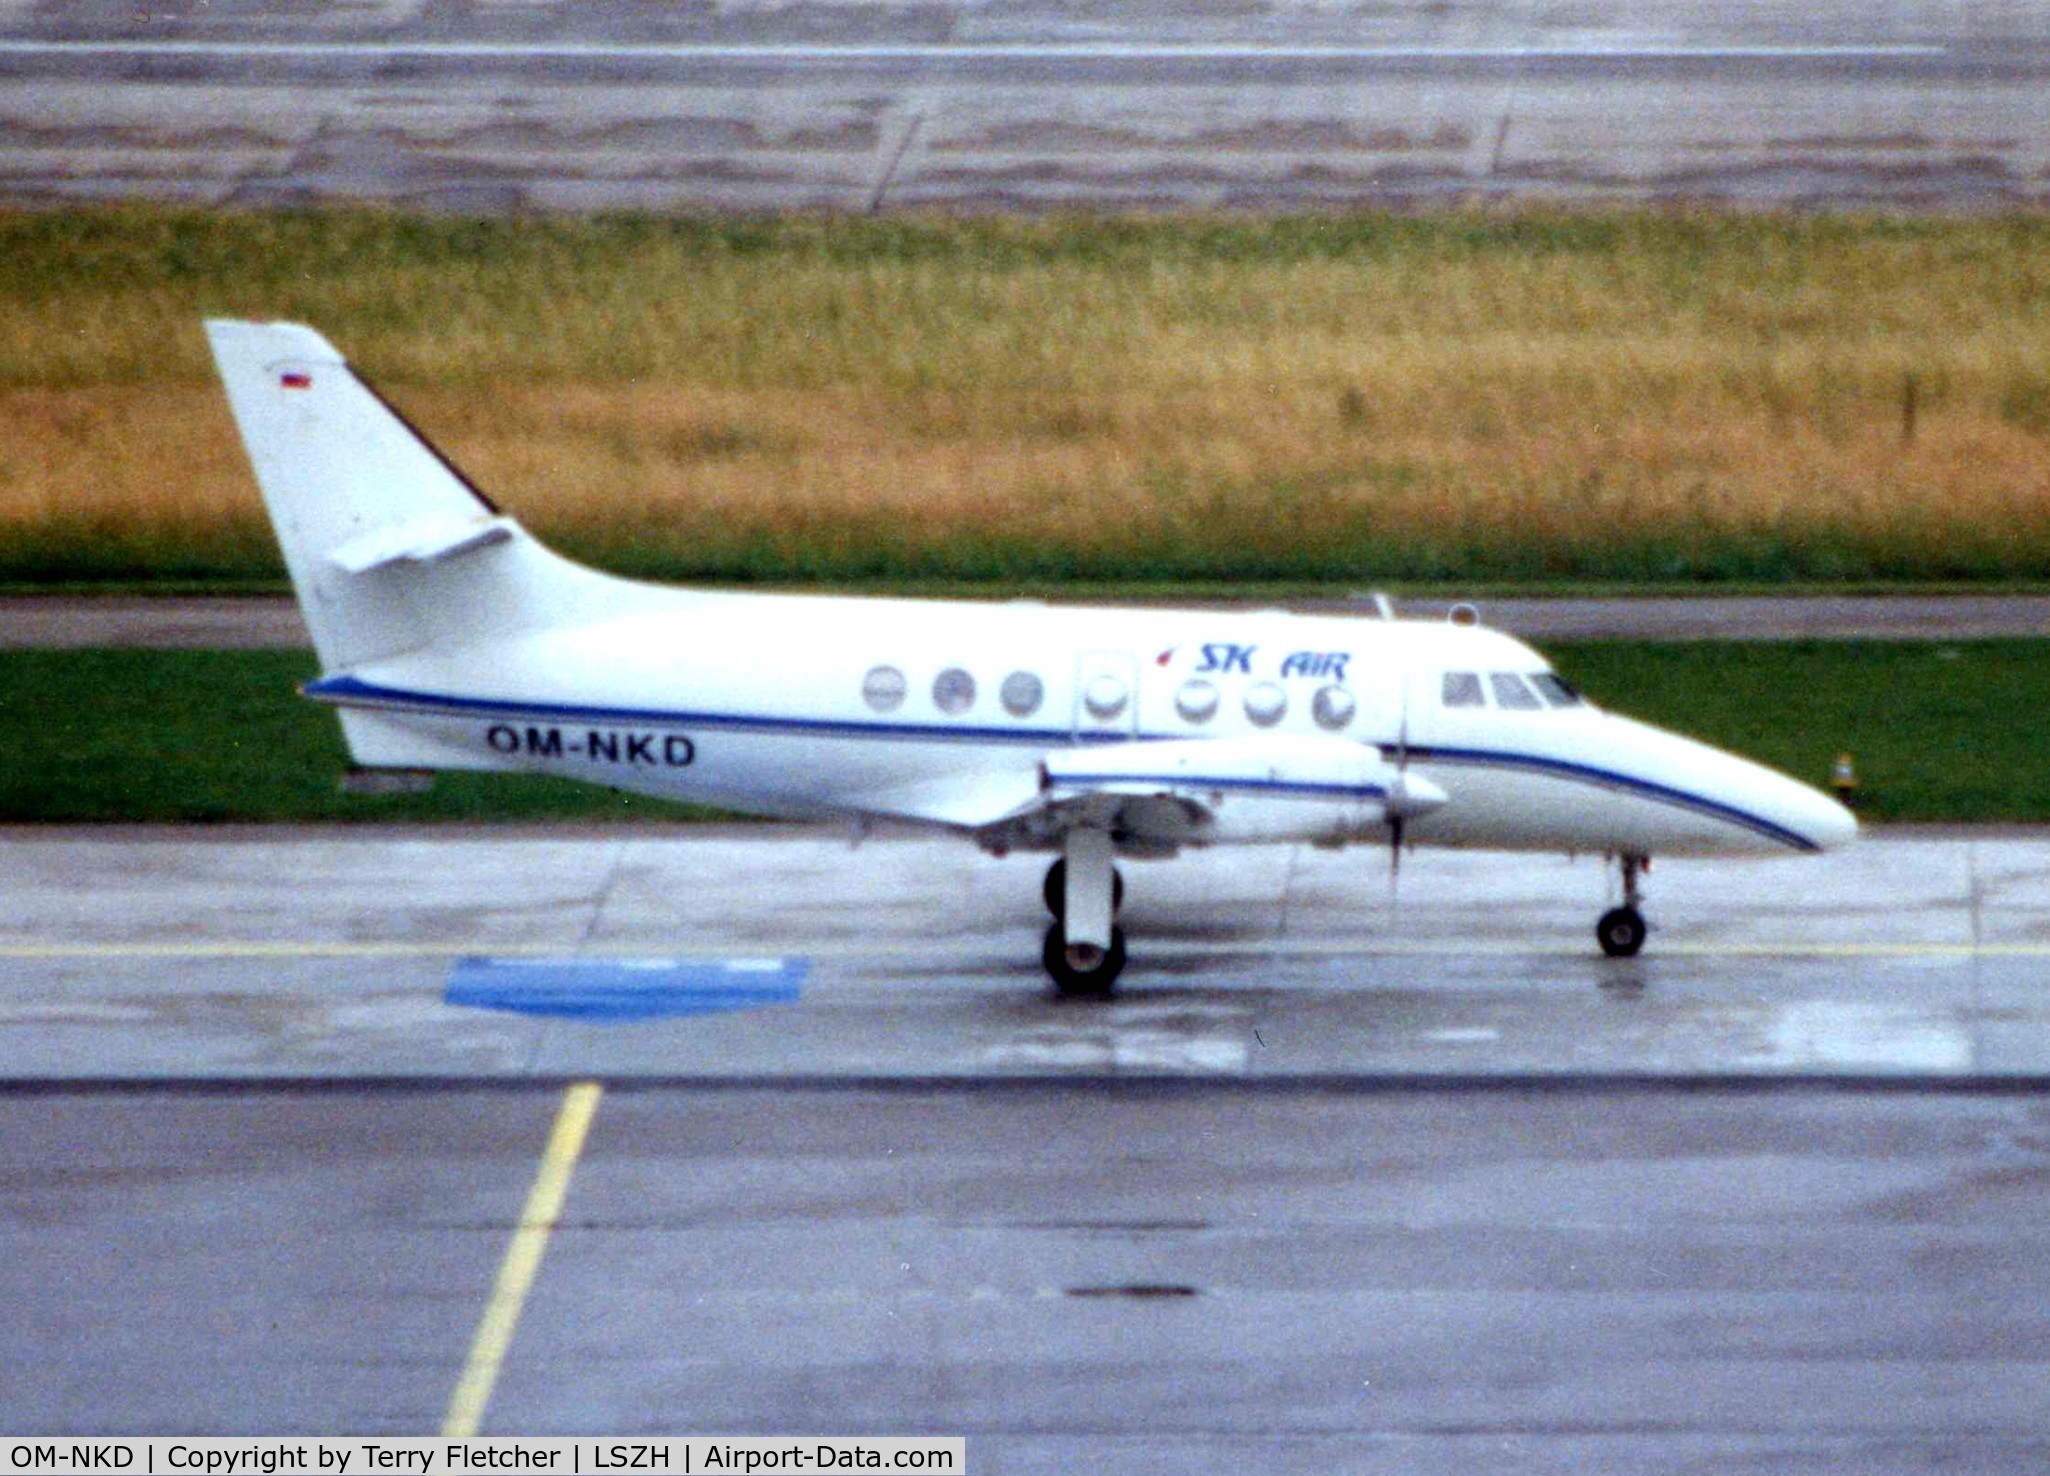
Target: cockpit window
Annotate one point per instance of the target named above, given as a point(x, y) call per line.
point(1553, 690)
point(1510, 690)
point(1463, 689)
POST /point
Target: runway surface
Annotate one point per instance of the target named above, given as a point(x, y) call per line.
point(547, 104)
point(1333, 1184)
point(45, 622)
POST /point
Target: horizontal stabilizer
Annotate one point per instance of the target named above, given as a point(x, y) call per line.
point(420, 541)
point(354, 489)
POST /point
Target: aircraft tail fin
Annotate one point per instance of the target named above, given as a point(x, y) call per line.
point(390, 547)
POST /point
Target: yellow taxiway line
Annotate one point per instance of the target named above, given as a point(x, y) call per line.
point(522, 1260)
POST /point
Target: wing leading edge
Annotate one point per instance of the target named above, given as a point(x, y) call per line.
point(1173, 792)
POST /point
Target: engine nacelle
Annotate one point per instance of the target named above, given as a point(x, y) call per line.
point(1244, 789)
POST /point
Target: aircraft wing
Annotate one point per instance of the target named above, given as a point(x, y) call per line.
point(1199, 776)
point(970, 801)
point(1167, 792)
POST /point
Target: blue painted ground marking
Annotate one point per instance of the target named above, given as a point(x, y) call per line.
point(605, 989)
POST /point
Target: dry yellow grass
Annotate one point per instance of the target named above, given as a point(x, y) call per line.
point(1609, 397)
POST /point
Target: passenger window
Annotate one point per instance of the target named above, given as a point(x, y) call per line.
point(1022, 693)
point(1463, 689)
point(1510, 690)
point(1555, 691)
point(883, 688)
point(1104, 697)
point(1266, 704)
point(953, 690)
point(1333, 708)
point(1196, 701)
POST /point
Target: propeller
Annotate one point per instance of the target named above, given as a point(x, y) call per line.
point(1398, 799)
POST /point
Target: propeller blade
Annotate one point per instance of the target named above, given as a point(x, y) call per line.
point(1398, 798)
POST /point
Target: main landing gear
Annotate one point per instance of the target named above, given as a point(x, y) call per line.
point(1082, 970)
point(1085, 950)
point(1621, 929)
point(1055, 890)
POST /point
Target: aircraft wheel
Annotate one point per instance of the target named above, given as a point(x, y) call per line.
point(1083, 977)
point(1620, 932)
point(1055, 892)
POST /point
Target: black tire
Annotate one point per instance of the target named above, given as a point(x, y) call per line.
point(1620, 932)
point(1055, 891)
point(1076, 983)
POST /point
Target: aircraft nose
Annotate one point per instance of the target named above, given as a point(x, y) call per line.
point(1769, 811)
point(1805, 812)
point(1826, 822)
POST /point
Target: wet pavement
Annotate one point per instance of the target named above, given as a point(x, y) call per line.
point(320, 953)
point(1335, 1182)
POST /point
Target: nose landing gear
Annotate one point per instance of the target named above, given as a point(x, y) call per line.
point(1621, 929)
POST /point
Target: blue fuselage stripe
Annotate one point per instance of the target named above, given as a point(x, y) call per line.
point(348, 691)
point(1611, 780)
point(354, 692)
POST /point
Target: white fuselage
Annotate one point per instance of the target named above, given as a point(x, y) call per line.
point(948, 713)
point(450, 639)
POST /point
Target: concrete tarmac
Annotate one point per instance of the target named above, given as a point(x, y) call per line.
point(318, 954)
point(1336, 1182)
point(552, 105)
point(1122, 1278)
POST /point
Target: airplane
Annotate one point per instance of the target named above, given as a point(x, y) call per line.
point(449, 638)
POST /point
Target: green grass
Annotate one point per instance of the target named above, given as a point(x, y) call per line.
point(1940, 732)
point(223, 736)
point(1642, 397)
